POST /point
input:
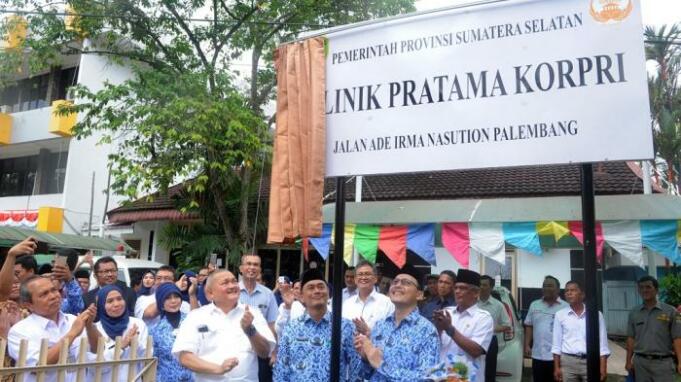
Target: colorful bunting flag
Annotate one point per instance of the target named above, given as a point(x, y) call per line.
point(393, 242)
point(524, 236)
point(557, 229)
point(456, 239)
point(421, 240)
point(366, 241)
point(577, 231)
point(661, 237)
point(306, 248)
point(488, 240)
point(322, 243)
point(625, 237)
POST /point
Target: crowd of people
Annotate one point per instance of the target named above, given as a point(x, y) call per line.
point(215, 325)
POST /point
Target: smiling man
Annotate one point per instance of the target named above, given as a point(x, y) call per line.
point(305, 346)
point(403, 346)
point(106, 273)
point(368, 306)
point(223, 340)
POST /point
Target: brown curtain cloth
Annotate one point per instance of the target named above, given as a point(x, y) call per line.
point(297, 187)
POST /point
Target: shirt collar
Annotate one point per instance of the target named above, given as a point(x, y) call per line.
point(43, 322)
point(558, 302)
point(470, 311)
point(658, 305)
point(570, 311)
point(371, 295)
point(307, 318)
point(215, 310)
point(257, 288)
point(411, 317)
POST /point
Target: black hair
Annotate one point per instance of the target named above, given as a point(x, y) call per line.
point(488, 278)
point(71, 257)
point(579, 285)
point(28, 263)
point(647, 278)
point(365, 263)
point(45, 268)
point(166, 268)
point(82, 274)
point(433, 276)
point(104, 260)
point(449, 273)
point(549, 277)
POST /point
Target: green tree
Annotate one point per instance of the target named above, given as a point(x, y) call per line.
point(665, 99)
point(186, 113)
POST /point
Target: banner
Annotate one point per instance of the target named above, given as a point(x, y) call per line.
point(507, 84)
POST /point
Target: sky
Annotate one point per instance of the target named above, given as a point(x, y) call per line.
point(654, 12)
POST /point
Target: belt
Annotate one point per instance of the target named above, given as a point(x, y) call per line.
point(580, 356)
point(653, 356)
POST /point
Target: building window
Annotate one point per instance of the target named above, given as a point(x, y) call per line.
point(39, 91)
point(18, 176)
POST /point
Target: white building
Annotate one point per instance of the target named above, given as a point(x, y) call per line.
point(46, 175)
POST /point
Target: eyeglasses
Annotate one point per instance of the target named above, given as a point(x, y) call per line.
point(108, 272)
point(363, 275)
point(403, 282)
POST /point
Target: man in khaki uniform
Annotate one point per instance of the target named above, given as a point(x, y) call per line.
point(653, 333)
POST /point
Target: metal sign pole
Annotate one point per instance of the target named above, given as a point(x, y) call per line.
point(590, 274)
point(337, 280)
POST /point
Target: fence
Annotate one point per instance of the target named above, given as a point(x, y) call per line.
point(96, 368)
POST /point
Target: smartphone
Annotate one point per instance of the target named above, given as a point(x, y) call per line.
point(42, 247)
point(60, 260)
point(213, 259)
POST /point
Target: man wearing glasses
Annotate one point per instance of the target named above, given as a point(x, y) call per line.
point(368, 306)
point(106, 273)
point(404, 346)
point(466, 330)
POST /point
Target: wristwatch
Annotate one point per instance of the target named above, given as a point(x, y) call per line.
point(250, 331)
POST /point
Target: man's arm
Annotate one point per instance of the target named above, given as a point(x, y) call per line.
point(192, 362)
point(528, 341)
point(628, 363)
point(469, 346)
point(26, 247)
point(557, 373)
point(677, 351)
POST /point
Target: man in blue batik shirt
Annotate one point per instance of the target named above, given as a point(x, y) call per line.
point(72, 301)
point(305, 345)
point(404, 346)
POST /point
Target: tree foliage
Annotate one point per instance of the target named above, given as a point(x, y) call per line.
point(665, 98)
point(187, 112)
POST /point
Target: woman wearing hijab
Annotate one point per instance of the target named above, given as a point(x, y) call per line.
point(114, 321)
point(168, 301)
point(148, 279)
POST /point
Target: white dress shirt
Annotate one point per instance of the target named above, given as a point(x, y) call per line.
point(33, 329)
point(215, 336)
point(285, 315)
point(376, 307)
point(143, 303)
point(569, 333)
point(540, 317)
point(347, 293)
point(110, 347)
point(478, 326)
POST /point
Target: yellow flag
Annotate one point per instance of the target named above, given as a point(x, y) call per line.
point(348, 241)
point(557, 229)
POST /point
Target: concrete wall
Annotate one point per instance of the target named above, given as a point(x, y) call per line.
point(30, 202)
point(31, 125)
point(142, 231)
point(86, 156)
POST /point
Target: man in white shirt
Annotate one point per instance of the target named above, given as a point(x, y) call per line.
point(465, 330)
point(43, 299)
point(145, 307)
point(368, 306)
point(569, 338)
point(350, 285)
point(223, 340)
point(539, 329)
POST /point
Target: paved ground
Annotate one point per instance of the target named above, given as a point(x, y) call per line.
point(616, 372)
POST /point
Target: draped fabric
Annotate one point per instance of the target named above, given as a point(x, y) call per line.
point(624, 236)
point(298, 162)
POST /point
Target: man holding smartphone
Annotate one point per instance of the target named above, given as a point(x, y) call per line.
point(65, 262)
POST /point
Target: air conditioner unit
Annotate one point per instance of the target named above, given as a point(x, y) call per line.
point(6, 109)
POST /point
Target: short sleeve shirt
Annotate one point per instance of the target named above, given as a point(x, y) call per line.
point(498, 312)
point(540, 318)
point(654, 329)
point(478, 326)
point(262, 299)
point(214, 336)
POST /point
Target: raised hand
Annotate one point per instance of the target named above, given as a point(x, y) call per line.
point(287, 295)
point(129, 335)
point(193, 285)
point(26, 247)
point(442, 320)
point(182, 283)
point(61, 273)
point(361, 326)
point(247, 319)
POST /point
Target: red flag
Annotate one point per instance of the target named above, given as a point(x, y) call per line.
point(456, 238)
point(577, 231)
point(392, 241)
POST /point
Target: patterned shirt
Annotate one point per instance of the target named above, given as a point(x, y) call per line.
point(73, 302)
point(169, 368)
point(262, 298)
point(305, 351)
point(409, 350)
point(540, 318)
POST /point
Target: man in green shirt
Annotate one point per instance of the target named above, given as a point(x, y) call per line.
point(653, 335)
point(502, 323)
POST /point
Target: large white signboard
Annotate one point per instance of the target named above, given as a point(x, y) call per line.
point(508, 84)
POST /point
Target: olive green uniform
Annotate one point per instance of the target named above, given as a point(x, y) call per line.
point(653, 331)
